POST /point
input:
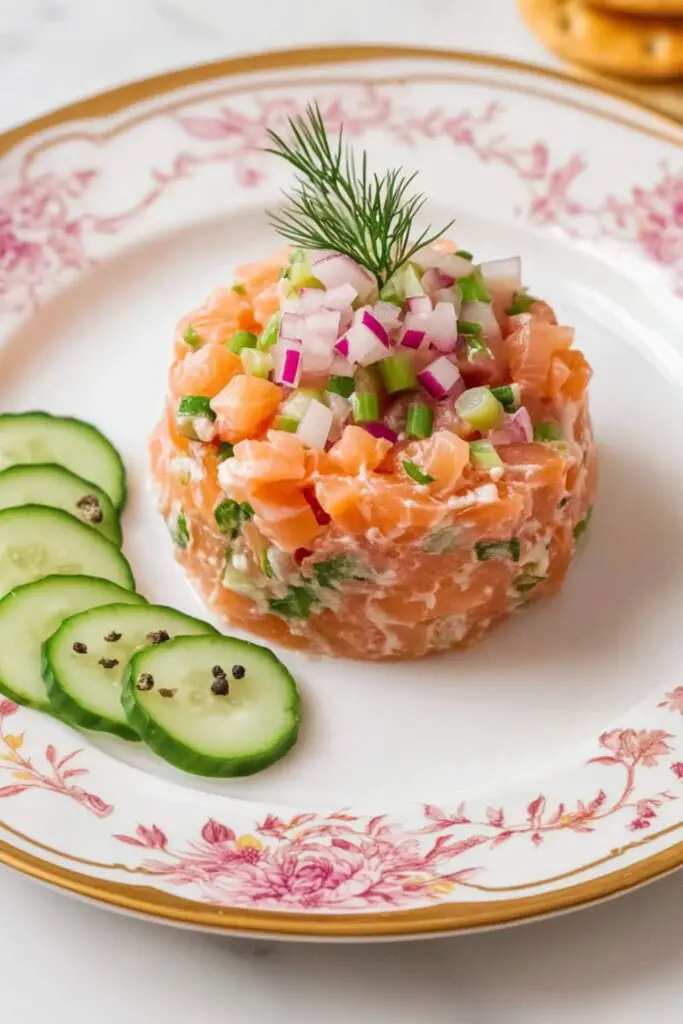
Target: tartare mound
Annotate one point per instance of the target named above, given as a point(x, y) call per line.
point(375, 474)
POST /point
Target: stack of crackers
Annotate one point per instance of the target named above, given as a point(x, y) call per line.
point(638, 41)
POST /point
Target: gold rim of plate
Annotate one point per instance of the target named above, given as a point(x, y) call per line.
point(446, 917)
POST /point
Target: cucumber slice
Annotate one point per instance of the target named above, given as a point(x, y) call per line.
point(56, 487)
point(37, 437)
point(82, 689)
point(186, 721)
point(30, 614)
point(36, 541)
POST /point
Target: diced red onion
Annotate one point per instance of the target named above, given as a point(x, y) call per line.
point(450, 295)
point(291, 327)
point(364, 346)
point(291, 305)
point(434, 279)
point(503, 270)
point(420, 304)
point(311, 300)
point(446, 262)
point(324, 323)
point(342, 367)
point(381, 430)
point(441, 378)
point(443, 327)
point(287, 363)
point(410, 338)
point(317, 352)
point(341, 297)
point(370, 321)
point(388, 314)
point(342, 347)
point(517, 428)
point(481, 313)
point(334, 269)
point(315, 425)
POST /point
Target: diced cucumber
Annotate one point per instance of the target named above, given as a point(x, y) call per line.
point(38, 437)
point(488, 549)
point(175, 698)
point(36, 541)
point(30, 614)
point(84, 685)
point(56, 487)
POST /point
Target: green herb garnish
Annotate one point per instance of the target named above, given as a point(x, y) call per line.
point(196, 405)
point(339, 206)
point(527, 582)
point(547, 432)
point(414, 471)
point(464, 254)
point(521, 303)
point(581, 527)
point(486, 550)
point(180, 531)
point(192, 338)
point(296, 604)
point(225, 451)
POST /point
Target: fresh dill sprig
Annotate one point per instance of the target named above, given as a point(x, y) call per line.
point(337, 206)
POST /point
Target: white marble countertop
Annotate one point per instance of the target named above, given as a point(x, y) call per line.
point(65, 961)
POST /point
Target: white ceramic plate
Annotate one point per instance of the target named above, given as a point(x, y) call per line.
point(541, 770)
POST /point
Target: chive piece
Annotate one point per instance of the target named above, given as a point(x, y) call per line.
point(521, 303)
point(480, 409)
point(464, 254)
point(581, 527)
point(398, 373)
point(256, 363)
point(484, 455)
point(265, 564)
point(287, 423)
point(181, 532)
point(472, 288)
point(420, 420)
point(414, 471)
point(332, 571)
point(238, 288)
point(467, 327)
point(473, 336)
point(296, 604)
point(527, 582)
point(488, 549)
point(547, 432)
point(509, 396)
point(240, 340)
point(365, 406)
point(225, 451)
point(247, 511)
point(228, 516)
point(563, 501)
point(270, 334)
point(340, 386)
point(192, 338)
point(196, 405)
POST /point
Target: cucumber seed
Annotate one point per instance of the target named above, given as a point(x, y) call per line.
point(163, 692)
point(79, 648)
point(108, 662)
point(90, 508)
point(160, 637)
point(145, 682)
point(111, 638)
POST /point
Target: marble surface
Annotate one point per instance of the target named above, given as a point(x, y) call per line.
point(66, 961)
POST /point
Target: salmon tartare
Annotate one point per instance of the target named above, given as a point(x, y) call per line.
point(372, 447)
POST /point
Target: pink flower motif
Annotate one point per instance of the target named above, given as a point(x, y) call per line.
point(674, 701)
point(637, 824)
point(642, 746)
point(677, 769)
point(7, 708)
point(215, 833)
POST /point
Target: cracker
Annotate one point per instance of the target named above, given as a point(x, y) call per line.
point(618, 44)
point(649, 8)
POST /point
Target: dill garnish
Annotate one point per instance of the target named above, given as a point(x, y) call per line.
point(337, 206)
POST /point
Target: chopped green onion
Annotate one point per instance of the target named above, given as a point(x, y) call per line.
point(297, 256)
point(287, 423)
point(414, 471)
point(398, 373)
point(464, 254)
point(340, 386)
point(527, 582)
point(265, 564)
point(488, 549)
point(521, 303)
point(365, 406)
point(474, 339)
point(296, 604)
point(180, 531)
point(228, 516)
point(484, 455)
point(467, 327)
point(238, 288)
point(256, 363)
point(270, 333)
point(192, 338)
point(225, 451)
point(581, 527)
point(247, 511)
point(420, 420)
point(480, 408)
point(196, 405)
point(333, 571)
point(403, 284)
point(472, 288)
point(242, 339)
point(547, 432)
point(367, 379)
point(509, 396)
